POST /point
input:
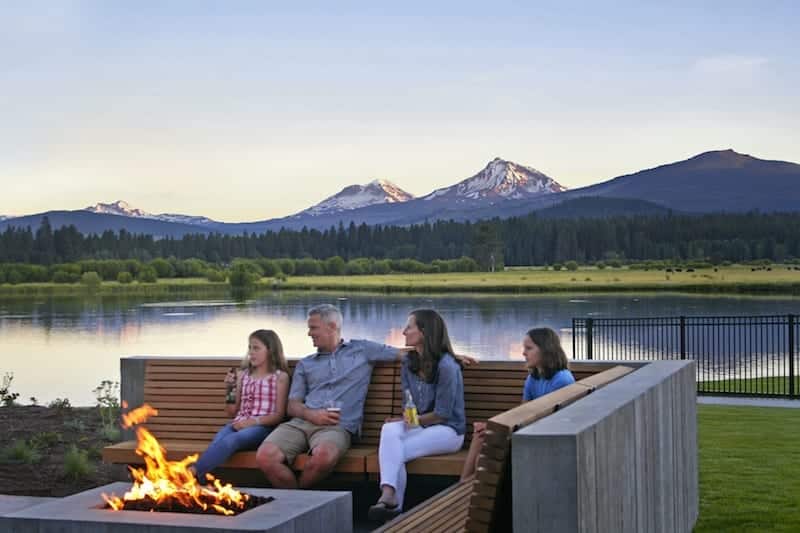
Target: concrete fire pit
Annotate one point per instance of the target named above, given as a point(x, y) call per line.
point(292, 511)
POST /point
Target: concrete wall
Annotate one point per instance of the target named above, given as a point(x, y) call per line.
point(622, 459)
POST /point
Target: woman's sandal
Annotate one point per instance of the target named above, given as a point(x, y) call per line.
point(383, 512)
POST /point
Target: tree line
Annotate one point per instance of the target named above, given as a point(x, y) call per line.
point(528, 240)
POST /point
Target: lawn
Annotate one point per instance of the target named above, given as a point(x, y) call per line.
point(749, 469)
point(726, 279)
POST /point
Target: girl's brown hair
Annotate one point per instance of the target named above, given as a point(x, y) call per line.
point(552, 354)
point(436, 344)
point(275, 360)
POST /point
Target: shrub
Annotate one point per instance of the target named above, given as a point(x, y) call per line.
point(60, 403)
point(163, 268)
point(7, 398)
point(334, 266)
point(216, 275)
point(242, 276)
point(21, 451)
point(45, 439)
point(107, 394)
point(556, 266)
point(76, 463)
point(148, 274)
point(91, 280)
point(600, 264)
point(287, 266)
point(125, 277)
point(572, 266)
point(60, 276)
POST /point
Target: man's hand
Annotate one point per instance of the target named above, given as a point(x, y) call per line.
point(478, 429)
point(465, 360)
point(322, 417)
point(241, 424)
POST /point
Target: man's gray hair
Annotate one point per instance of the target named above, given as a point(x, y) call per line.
point(328, 313)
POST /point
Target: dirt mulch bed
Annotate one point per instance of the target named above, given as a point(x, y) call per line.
point(51, 432)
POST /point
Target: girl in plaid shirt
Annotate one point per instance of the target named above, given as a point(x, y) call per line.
point(262, 387)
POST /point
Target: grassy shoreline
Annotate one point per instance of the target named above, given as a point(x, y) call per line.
point(726, 280)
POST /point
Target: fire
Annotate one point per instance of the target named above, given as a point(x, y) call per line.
point(164, 484)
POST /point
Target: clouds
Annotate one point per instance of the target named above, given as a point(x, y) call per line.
point(730, 64)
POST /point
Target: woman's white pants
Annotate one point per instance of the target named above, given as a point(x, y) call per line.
point(398, 446)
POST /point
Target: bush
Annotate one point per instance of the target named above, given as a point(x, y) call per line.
point(557, 266)
point(216, 275)
point(60, 276)
point(334, 266)
point(615, 263)
point(163, 268)
point(60, 403)
point(21, 451)
point(269, 267)
point(287, 266)
point(76, 464)
point(148, 274)
point(383, 266)
point(7, 398)
point(572, 266)
point(308, 267)
point(91, 280)
point(45, 440)
point(242, 277)
point(600, 264)
point(125, 277)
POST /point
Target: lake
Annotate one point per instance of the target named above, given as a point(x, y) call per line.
point(64, 347)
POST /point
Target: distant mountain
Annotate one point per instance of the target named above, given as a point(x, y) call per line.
point(718, 181)
point(122, 208)
point(500, 180)
point(4, 217)
point(599, 207)
point(721, 181)
point(356, 196)
point(87, 222)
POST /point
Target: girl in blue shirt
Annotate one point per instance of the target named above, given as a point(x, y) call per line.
point(547, 363)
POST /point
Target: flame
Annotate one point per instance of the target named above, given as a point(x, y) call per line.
point(138, 416)
point(171, 483)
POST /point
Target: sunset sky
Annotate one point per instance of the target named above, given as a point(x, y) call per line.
point(250, 110)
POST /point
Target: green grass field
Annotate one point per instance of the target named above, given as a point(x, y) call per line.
point(749, 469)
point(734, 279)
point(727, 279)
point(762, 385)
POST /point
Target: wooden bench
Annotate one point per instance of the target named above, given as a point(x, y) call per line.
point(482, 504)
point(188, 392)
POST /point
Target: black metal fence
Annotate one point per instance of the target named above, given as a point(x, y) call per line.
point(736, 355)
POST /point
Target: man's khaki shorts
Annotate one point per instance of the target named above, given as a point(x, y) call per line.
point(299, 436)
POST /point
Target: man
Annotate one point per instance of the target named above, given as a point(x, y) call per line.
point(337, 376)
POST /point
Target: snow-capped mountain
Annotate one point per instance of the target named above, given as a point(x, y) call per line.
point(501, 180)
point(5, 217)
point(123, 208)
point(356, 196)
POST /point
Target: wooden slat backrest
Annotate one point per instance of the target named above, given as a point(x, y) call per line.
point(189, 395)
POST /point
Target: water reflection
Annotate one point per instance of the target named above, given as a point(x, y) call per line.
point(63, 347)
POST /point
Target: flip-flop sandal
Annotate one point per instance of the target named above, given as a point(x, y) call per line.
point(382, 512)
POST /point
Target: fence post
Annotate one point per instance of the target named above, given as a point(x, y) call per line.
point(683, 337)
point(589, 324)
point(791, 355)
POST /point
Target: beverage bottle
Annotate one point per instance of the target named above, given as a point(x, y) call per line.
point(230, 391)
point(411, 416)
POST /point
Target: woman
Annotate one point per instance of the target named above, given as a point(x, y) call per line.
point(433, 377)
point(547, 363)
